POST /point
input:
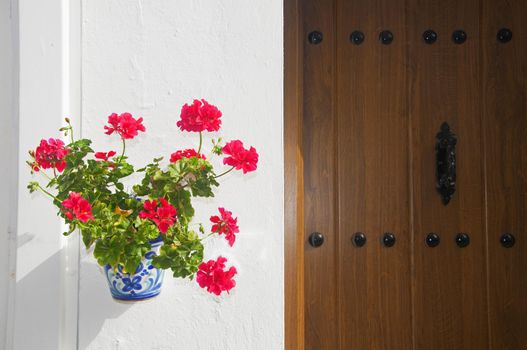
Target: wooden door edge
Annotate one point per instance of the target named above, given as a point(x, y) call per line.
point(293, 179)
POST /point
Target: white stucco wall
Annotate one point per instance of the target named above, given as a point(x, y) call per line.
point(8, 156)
point(149, 58)
point(43, 303)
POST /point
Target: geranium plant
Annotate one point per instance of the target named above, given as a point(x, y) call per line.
point(87, 188)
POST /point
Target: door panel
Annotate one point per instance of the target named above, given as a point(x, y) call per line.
point(505, 88)
point(450, 309)
point(321, 298)
point(373, 182)
point(371, 115)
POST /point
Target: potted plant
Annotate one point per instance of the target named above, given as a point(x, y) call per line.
point(139, 234)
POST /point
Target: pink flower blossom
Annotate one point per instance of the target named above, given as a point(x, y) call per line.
point(225, 225)
point(212, 276)
point(199, 116)
point(76, 207)
point(125, 125)
point(50, 154)
point(239, 157)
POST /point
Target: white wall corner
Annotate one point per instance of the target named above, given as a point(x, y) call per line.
point(45, 315)
point(9, 161)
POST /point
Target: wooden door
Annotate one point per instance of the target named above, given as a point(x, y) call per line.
point(450, 308)
point(387, 261)
point(505, 146)
point(373, 182)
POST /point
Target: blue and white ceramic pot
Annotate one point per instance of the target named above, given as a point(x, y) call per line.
point(143, 284)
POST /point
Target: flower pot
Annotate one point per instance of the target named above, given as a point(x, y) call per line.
point(144, 283)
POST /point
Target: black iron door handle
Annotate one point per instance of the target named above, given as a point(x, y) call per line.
point(446, 163)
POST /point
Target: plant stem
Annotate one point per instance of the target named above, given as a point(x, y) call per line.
point(224, 173)
point(124, 149)
point(46, 192)
point(207, 236)
point(70, 130)
point(46, 175)
point(43, 173)
point(200, 142)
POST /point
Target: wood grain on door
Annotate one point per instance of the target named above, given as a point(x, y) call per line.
point(371, 83)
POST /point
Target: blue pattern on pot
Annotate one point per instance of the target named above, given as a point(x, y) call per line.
point(143, 284)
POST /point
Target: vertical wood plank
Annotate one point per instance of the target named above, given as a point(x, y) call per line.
point(321, 295)
point(293, 181)
point(505, 115)
point(373, 181)
point(450, 282)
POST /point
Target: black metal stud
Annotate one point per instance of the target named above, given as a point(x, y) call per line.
point(315, 37)
point(316, 239)
point(462, 240)
point(507, 240)
point(357, 37)
point(388, 239)
point(432, 240)
point(504, 35)
point(359, 239)
point(429, 36)
point(386, 37)
point(459, 37)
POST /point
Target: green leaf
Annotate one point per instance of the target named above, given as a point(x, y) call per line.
point(182, 256)
point(33, 186)
point(87, 238)
point(131, 263)
point(217, 147)
point(109, 251)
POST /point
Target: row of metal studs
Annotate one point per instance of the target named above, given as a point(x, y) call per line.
point(429, 36)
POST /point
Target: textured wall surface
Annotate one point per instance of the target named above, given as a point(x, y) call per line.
point(149, 58)
point(8, 137)
point(39, 302)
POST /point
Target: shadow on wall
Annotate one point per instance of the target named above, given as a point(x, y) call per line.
point(93, 289)
point(37, 300)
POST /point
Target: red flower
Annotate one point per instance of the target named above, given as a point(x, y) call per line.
point(240, 158)
point(212, 276)
point(77, 207)
point(104, 156)
point(187, 153)
point(163, 216)
point(199, 116)
point(226, 225)
point(125, 125)
point(50, 154)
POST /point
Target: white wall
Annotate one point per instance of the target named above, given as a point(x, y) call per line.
point(38, 237)
point(44, 307)
point(148, 58)
point(8, 159)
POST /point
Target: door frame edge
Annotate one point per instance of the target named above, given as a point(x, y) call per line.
point(293, 178)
